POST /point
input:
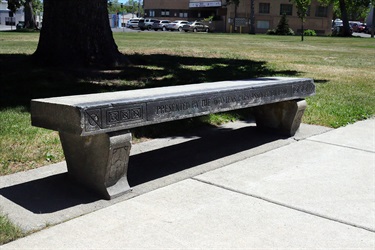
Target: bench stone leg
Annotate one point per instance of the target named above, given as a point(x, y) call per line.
point(285, 117)
point(99, 161)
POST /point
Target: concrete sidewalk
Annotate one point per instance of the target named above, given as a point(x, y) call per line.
point(316, 190)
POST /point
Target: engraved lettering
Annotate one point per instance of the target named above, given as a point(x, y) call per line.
point(205, 102)
point(168, 108)
point(303, 88)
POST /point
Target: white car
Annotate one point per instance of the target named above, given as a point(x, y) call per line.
point(132, 23)
point(176, 25)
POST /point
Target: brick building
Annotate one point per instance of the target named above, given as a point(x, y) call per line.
point(267, 14)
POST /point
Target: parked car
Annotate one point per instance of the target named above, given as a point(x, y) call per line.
point(133, 23)
point(160, 25)
point(195, 27)
point(176, 25)
point(338, 27)
point(362, 28)
point(146, 24)
point(355, 25)
point(336, 23)
point(20, 25)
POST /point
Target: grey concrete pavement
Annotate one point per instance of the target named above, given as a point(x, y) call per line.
point(316, 190)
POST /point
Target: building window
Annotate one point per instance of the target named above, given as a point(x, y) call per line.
point(321, 11)
point(183, 14)
point(264, 8)
point(164, 12)
point(263, 24)
point(286, 9)
point(151, 13)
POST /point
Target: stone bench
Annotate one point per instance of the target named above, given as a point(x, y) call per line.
point(94, 132)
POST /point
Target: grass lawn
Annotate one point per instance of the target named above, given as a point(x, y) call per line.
point(343, 70)
point(8, 231)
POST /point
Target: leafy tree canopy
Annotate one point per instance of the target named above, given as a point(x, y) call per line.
point(235, 2)
point(14, 5)
point(302, 8)
point(355, 9)
point(130, 6)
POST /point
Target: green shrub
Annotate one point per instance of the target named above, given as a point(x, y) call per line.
point(290, 32)
point(274, 32)
point(309, 33)
point(271, 32)
point(282, 28)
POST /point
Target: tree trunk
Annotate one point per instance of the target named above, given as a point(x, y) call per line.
point(252, 18)
point(235, 17)
point(77, 33)
point(345, 20)
point(29, 15)
point(373, 21)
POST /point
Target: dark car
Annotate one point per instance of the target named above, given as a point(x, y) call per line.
point(362, 28)
point(160, 25)
point(195, 27)
point(20, 25)
point(354, 25)
point(146, 24)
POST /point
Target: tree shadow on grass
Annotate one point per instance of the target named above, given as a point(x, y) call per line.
point(22, 80)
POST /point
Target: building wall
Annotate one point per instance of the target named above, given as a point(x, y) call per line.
point(179, 9)
point(319, 19)
point(4, 15)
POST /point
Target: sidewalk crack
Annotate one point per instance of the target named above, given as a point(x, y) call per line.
point(287, 206)
point(342, 146)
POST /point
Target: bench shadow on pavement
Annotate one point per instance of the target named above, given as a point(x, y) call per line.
point(59, 192)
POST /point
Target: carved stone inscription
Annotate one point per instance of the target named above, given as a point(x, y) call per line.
point(107, 117)
point(303, 89)
point(210, 103)
point(117, 164)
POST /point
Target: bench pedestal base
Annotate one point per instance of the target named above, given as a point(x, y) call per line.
point(100, 162)
point(284, 117)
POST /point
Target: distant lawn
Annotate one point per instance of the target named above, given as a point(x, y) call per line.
point(343, 70)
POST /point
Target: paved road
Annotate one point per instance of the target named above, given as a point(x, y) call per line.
point(3, 28)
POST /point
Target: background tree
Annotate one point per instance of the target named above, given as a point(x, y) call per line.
point(131, 6)
point(236, 3)
point(371, 18)
point(356, 9)
point(341, 4)
point(252, 17)
point(345, 19)
point(283, 26)
point(81, 38)
point(345, 9)
point(302, 9)
point(30, 7)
